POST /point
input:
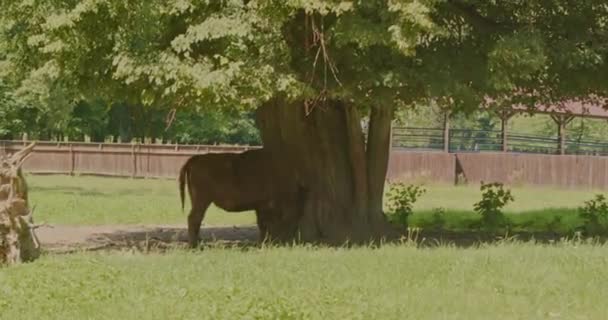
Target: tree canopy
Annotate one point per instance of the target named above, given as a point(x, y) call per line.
point(236, 54)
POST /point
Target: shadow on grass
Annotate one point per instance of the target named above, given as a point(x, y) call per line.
point(148, 238)
point(80, 191)
point(456, 229)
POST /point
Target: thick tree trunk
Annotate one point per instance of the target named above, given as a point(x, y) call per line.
point(378, 152)
point(18, 242)
point(321, 160)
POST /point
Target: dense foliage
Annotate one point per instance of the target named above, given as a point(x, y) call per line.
point(235, 54)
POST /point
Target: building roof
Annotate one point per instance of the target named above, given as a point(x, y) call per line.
point(593, 108)
point(574, 108)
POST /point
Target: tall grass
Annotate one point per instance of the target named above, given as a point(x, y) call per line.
point(503, 281)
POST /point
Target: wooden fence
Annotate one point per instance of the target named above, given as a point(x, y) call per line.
point(164, 161)
point(112, 159)
point(565, 171)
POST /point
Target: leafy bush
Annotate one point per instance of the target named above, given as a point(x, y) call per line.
point(401, 199)
point(494, 198)
point(595, 216)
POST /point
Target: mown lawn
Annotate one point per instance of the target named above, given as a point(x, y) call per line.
point(97, 201)
point(501, 281)
point(102, 201)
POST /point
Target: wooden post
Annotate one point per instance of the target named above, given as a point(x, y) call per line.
point(390, 140)
point(504, 115)
point(148, 163)
point(72, 159)
point(134, 158)
point(561, 132)
point(446, 132)
point(505, 137)
point(562, 121)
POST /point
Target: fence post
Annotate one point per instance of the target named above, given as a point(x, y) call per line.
point(446, 132)
point(134, 158)
point(148, 163)
point(72, 159)
point(391, 139)
point(505, 114)
point(562, 121)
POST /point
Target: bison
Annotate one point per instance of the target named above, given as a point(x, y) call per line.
point(234, 182)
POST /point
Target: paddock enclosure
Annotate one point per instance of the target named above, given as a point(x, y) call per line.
point(164, 161)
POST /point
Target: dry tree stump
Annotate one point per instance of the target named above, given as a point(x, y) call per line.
point(18, 241)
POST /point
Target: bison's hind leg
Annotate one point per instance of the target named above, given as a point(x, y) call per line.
point(195, 218)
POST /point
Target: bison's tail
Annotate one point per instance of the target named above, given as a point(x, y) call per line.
point(183, 180)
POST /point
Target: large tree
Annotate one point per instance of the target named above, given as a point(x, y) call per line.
point(311, 69)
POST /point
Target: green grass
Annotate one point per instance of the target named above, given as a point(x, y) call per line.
point(101, 201)
point(503, 281)
point(463, 198)
point(98, 201)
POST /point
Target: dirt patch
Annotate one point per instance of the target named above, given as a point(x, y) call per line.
point(67, 239)
point(57, 238)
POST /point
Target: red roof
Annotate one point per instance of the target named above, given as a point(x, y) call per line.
point(592, 109)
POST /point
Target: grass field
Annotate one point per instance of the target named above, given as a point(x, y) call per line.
point(502, 281)
point(97, 201)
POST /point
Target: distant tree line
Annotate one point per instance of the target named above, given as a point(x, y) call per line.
point(99, 121)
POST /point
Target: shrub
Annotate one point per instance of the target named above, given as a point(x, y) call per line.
point(494, 198)
point(401, 199)
point(595, 216)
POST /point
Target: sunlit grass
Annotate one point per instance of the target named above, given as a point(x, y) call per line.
point(96, 201)
point(503, 281)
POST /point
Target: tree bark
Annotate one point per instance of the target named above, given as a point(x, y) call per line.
point(378, 153)
point(321, 162)
point(18, 241)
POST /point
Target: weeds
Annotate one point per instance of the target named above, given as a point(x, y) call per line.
point(494, 199)
point(594, 214)
point(401, 199)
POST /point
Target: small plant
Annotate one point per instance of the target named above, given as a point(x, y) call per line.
point(595, 216)
point(554, 224)
point(494, 198)
point(401, 199)
point(437, 222)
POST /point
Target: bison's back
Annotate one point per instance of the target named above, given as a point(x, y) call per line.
point(232, 180)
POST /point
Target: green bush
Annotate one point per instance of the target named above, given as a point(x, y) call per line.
point(401, 199)
point(595, 216)
point(494, 199)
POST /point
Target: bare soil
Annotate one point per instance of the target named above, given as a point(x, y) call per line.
point(66, 239)
point(58, 238)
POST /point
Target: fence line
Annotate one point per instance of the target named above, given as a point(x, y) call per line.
point(164, 161)
point(112, 159)
point(471, 140)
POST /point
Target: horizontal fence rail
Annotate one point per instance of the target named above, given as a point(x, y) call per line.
point(112, 159)
point(468, 140)
point(412, 166)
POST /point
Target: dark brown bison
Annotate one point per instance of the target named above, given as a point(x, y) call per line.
point(235, 182)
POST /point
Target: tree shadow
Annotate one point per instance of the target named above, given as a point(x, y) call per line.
point(161, 239)
point(80, 191)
